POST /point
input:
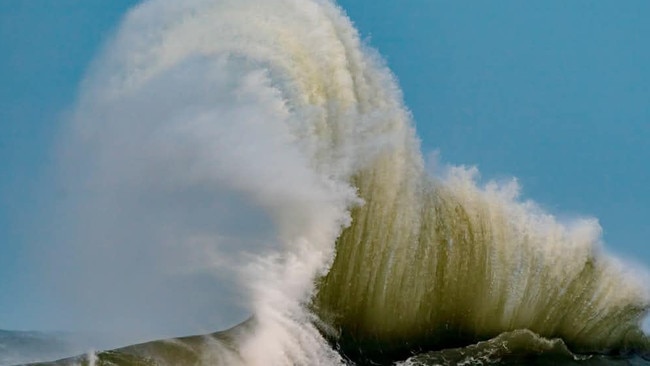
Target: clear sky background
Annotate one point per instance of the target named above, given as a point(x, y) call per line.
point(554, 93)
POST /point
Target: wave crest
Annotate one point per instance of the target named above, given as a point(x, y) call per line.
point(447, 263)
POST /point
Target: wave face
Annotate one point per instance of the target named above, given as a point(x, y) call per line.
point(448, 264)
point(278, 104)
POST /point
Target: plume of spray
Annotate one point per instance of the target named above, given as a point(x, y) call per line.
point(221, 137)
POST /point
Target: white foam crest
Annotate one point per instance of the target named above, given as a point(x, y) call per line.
point(267, 105)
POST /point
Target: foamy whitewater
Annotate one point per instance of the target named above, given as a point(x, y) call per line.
point(275, 107)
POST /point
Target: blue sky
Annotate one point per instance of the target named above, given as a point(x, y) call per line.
point(554, 93)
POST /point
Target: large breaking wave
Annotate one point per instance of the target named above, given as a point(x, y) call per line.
point(356, 252)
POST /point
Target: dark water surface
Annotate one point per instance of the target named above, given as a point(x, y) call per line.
point(521, 347)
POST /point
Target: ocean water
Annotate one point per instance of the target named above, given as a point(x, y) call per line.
point(374, 260)
point(21, 347)
point(520, 347)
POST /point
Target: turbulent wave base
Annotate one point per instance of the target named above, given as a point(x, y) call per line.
point(372, 258)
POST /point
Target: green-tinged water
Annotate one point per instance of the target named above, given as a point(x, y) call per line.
point(444, 263)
